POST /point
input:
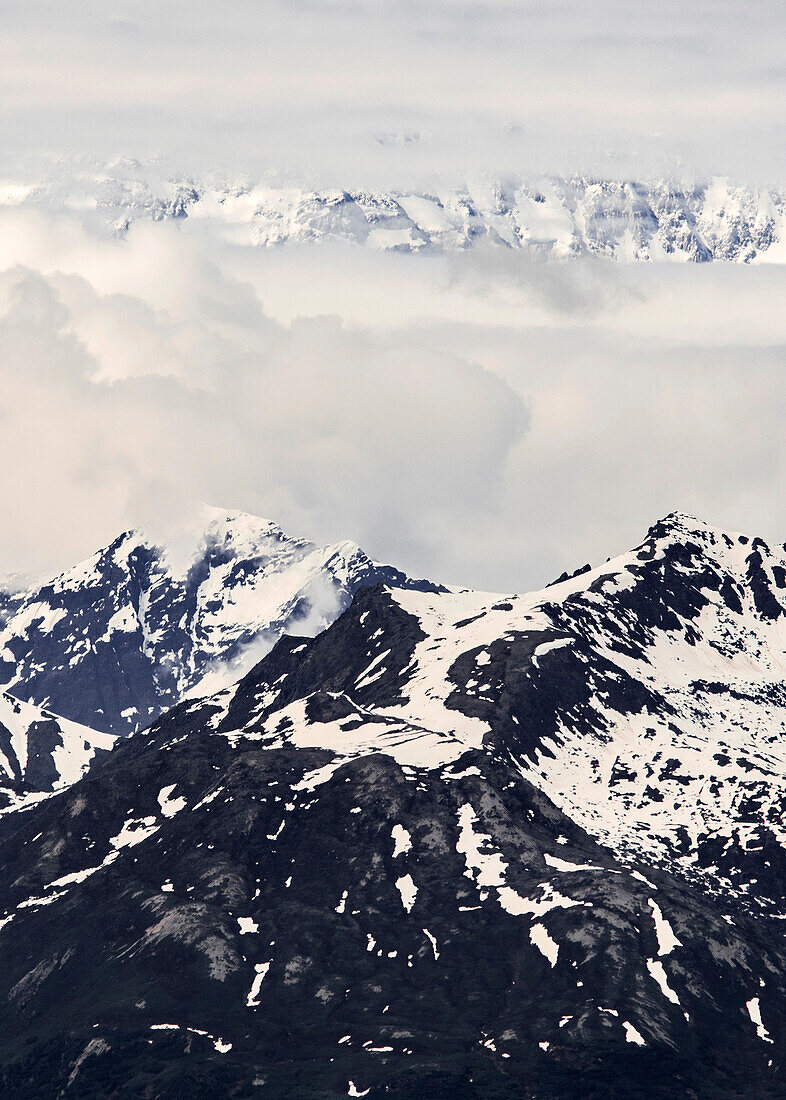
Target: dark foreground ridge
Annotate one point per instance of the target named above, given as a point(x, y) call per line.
point(454, 846)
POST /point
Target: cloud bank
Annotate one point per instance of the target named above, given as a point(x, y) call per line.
point(486, 420)
point(120, 406)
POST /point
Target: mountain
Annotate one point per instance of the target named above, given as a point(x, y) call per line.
point(456, 845)
point(628, 220)
point(40, 752)
point(126, 634)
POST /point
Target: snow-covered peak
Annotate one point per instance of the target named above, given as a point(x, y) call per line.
point(644, 697)
point(150, 618)
point(684, 525)
point(232, 527)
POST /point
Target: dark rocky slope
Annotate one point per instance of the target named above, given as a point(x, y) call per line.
point(455, 846)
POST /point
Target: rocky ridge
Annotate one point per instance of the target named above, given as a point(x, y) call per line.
point(457, 844)
point(126, 634)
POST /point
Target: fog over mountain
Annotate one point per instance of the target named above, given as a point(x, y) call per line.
point(434, 381)
point(656, 220)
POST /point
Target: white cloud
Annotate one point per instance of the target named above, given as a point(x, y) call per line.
point(118, 407)
point(485, 420)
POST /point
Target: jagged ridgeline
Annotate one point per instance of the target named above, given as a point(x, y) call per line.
point(627, 220)
point(457, 844)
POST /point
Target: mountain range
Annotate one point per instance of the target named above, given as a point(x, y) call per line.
point(455, 844)
point(627, 220)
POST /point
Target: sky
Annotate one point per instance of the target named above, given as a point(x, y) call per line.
point(487, 419)
point(383, 91)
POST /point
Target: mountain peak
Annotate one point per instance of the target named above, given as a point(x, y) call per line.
point(520, 834)
point(156, 616)
point(684, 520)
point(679, 524)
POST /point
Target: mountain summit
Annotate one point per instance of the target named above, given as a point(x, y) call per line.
point(458, 844)
point(126, 634)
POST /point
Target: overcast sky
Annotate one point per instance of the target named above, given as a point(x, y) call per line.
point(359, 90)
point(488, 419)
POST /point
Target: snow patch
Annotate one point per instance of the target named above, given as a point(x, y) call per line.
point(754, 1011)
point(170, 806)
point(408, 890)
point(402, 841)
point(659, 974)
point(667, 940)
point(260, 970)
point(540, 938)
point(632, 1035)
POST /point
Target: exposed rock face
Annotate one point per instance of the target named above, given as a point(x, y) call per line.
point(456, 845)
point(40, 752)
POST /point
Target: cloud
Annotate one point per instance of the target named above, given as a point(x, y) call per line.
point(120, 408)
point(488, 419)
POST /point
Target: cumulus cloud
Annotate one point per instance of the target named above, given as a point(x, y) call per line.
point(125, 407)
point(481, 421)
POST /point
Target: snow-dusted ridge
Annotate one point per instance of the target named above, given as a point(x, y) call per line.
point(645, 697)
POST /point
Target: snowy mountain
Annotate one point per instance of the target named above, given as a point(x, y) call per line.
point(40, 752)
point(626, 220)
point(124, 635)
point(456, 845)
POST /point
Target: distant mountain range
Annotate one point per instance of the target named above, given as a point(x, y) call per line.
point(456, 844)
point(627, 220)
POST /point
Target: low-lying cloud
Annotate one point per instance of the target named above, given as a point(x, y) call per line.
point(118, 408)
point(480, 420)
